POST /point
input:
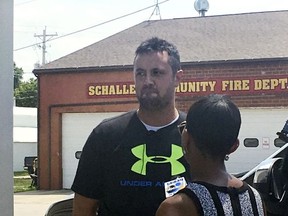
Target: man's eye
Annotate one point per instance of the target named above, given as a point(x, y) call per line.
point(140, 73)
point(156, 73)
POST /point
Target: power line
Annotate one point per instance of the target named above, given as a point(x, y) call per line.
point(97, 25)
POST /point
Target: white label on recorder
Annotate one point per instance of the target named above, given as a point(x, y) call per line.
point(172, 187)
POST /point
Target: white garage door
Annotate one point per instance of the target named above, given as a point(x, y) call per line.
point(260, 124)
point(76, 127)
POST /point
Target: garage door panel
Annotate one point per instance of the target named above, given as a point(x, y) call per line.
point(262, 124)
point(76, 128)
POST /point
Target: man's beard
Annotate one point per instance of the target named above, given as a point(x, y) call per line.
point(155, 103)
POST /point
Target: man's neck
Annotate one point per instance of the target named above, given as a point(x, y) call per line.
point(157, 118)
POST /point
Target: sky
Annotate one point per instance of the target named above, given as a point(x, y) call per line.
point(71, 25)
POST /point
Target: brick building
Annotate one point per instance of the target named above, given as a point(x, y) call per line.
point(241, 55)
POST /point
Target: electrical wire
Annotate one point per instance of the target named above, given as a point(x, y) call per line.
point(97, 25)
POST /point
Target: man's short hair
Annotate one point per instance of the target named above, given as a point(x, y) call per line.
point(156, 44)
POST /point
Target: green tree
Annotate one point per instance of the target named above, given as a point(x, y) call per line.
point(26, 94)
point(18, 76)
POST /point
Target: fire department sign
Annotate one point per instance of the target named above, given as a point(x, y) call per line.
point(231, 86)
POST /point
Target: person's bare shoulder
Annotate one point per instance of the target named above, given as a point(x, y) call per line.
point(84, 206)
point(177, 205)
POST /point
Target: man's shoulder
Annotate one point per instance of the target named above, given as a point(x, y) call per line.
point(118, 122)
point(113, 128)
point(127, 116)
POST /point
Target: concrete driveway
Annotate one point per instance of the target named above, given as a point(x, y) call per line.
point(37, 202)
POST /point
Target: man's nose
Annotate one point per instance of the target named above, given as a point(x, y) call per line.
point(149, 79)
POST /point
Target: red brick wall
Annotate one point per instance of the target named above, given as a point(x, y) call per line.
point(239, 69)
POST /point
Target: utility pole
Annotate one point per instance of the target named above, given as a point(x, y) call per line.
point(44, 40)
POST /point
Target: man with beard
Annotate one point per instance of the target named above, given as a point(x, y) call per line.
point(126, 159)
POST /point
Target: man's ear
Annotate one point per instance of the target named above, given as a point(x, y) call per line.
point(178, 77)
point(234, 147)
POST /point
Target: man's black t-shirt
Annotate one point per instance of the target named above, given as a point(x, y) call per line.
point(125, 166)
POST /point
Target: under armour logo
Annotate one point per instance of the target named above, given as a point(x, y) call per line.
point(140, 166)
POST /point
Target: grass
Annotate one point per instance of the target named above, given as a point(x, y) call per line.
point(21, 173)
point(22, 182)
